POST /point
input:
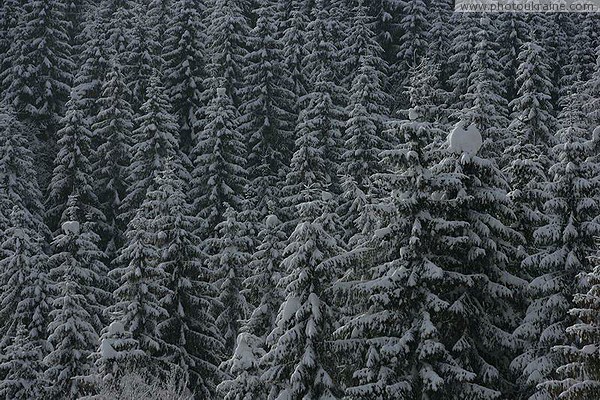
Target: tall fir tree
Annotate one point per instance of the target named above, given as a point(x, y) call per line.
point(18, 184)
point(185, 61)
point(79, 285)
point(299, 362)
point(266, 119)
point(565, 243)
point(40, 74)
point(190, 332)
point(114, 124)
point(580, 372)
point(228, 259)
point(532, 126)
point(155, 140)
point(24, 307)
point(218, 177)
point(72, 175)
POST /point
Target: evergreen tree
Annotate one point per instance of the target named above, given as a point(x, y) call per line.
point(10, 13)
point(72, 175)
point(485, 102)
point(565, 243)
point(185, 58)
point(114, 125)
point(227, 33)
point(299, 360)
point(40, 74)
point(189, 332)
point(532, 126)
point(24, 300)
point(141, 285)
point(21, 367)
point(426, 95)
point(219, 175)
point(266, 119)
point(155, 140)
point(18, 184)
point(229, 258)
point(462, 48)
point(79, 284)
point(513, 32)
point(581, 371)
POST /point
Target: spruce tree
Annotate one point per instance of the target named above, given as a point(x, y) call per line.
point(18, 184)
point(114, 125)
point(462, 48)
point(72, 175)
point(24, 300)
point(155, 140)
point(513, 32)
point(218, 176)
point(532, 125)
point(21, 367)
point(299, 362)
point(227, 33)
point(266, 119)
point(185, 58)
point(565, 243)
point(485, 102)
point(228, 259)
point(189, 331)
point(140, 284)
point(79, 284)
point(580, 372)
point(40, 74)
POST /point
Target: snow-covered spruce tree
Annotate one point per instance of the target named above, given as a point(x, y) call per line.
point(386, 14)
point(260, 290)
point(189, 332)
point(228, 33)
point(38, 80)
point(462, 48)
point(440, 35)
point(141, 286)
point(292, 23)
point(21, 366)
point(318, 132)
point(565, 243)
point(155, 140)
point(592, 97)
point(413, 43)
point(72, 175)
point(485, 104)
point(10, 12)
point(580, 60)
point(117, 16)
point(580, 372)
point(218, 177)
point(425, 92)
point(513, 32)
point(18, 184)
point(228, 260)
point(299, 363)
point(266, 119)
point(113, 124)
point(24, 304)
point(532, 127)
point(94, 65)
point(79, 285)
point(184, 53)
point(142, 57)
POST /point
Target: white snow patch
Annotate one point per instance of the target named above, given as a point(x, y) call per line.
point(413, 114)
point(70, 227)
point(465, 140)
point(272, 221)
point(221, 92)
point(116, 328)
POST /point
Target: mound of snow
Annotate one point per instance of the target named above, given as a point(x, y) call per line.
point(413, 114)
point(465, 140)
point(272, 221)
point(221, 92)
point(116, 328)
point(70, 227)
point(326, 196)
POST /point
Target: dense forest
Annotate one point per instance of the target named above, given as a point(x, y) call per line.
point(298, 200)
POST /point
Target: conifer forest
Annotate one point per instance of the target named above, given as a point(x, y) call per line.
point(298, 200)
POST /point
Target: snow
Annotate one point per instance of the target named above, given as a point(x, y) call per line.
point(465, 140)
point(221, 92)
point(116, 328)
point(272, 221)
point(413, 114)
point(326, 196)
point(70, 227)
